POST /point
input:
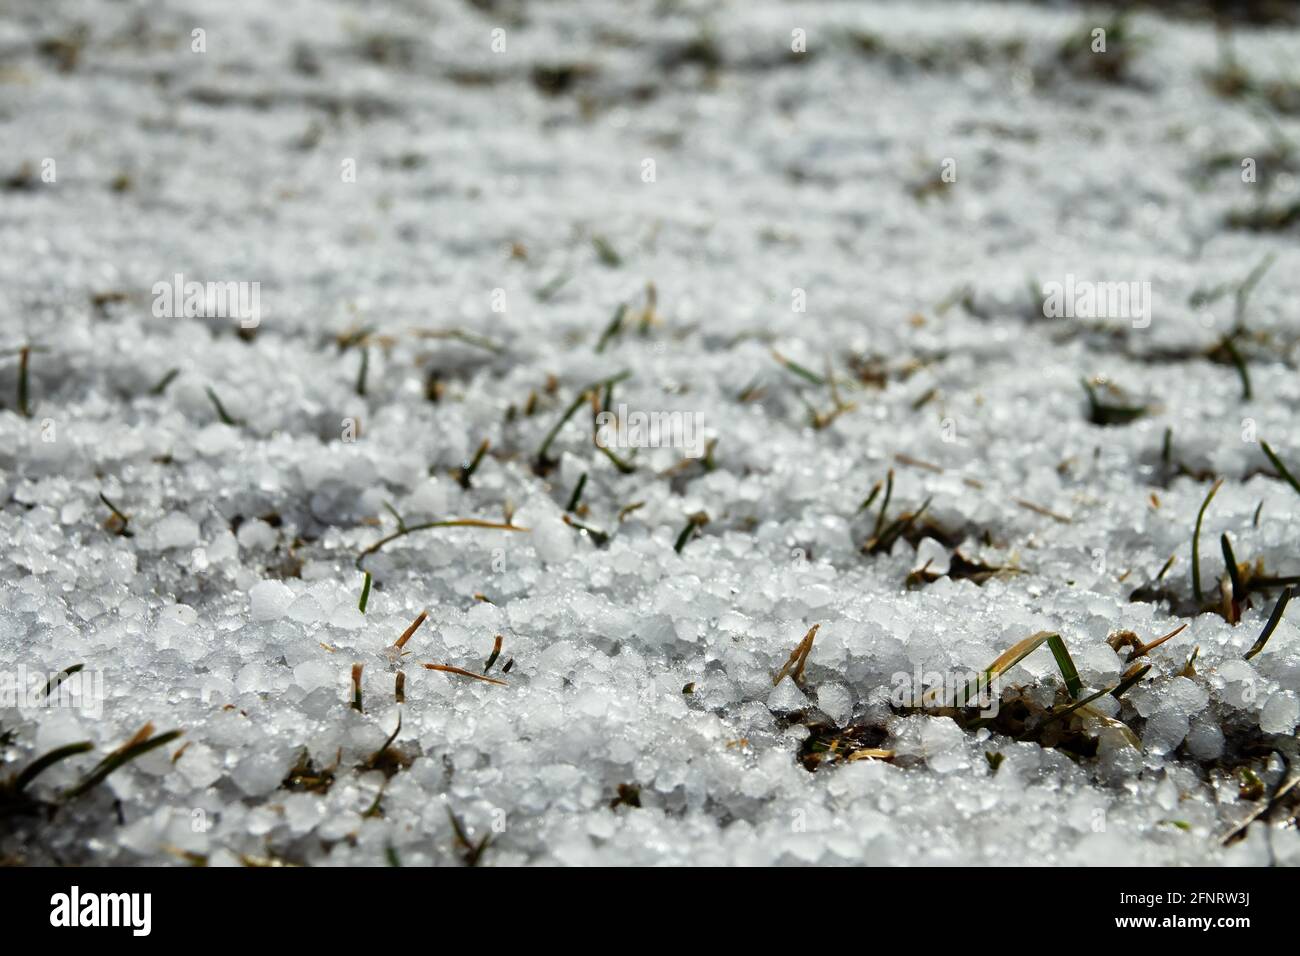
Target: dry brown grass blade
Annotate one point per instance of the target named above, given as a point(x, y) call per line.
point(903, 459)
point(452, 523)
point(798, 657)
point(449, 669)
point(406, 634)
point(141, 735)
point(1017, 652)
point(1045, 512)
point(1278, 795)
point(1148, 648)
point(496, 652)
point(870, 753)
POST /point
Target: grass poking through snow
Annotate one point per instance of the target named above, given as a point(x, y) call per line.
point(1196, 542)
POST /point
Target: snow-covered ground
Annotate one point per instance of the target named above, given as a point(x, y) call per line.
point(466, 192)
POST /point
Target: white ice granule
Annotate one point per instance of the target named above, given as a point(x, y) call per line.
point(1280, 714)
point(1165, 729)
point(1205, 739)
point(786, 697)
point(1098, 665)
point(256, 535)
point(259, 772)
point(836, 700)
point(269, 600)
point(933, 556)
point(176, 530)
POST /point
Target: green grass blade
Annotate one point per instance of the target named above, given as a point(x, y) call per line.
point(1131, 677)
point(1234, 575)
point(577, 493)
point(41, 764)
point(59, 678)
point(365, 594)
point(1281, 468)
point(1063, 660)
point(1196, 542)
point(119, 759)
point(1274, 620)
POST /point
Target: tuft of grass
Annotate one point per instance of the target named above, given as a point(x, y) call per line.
point(365, 594)
point(1188, 669)
point(1281, 468)
point(693, 524)
point(793, 668)
point(1274, 619)
point(1104, 414)
point(598, 538)
point(1196, 542)
point(542, 461)
point(882, 542)
point(466, 471)
point(353, 337)
point(121, 519)
point(1016, 653)
point(137, 746)
point(383, 759)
